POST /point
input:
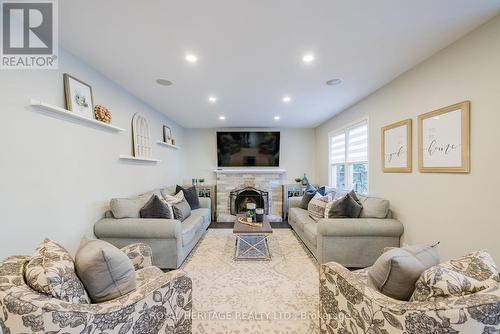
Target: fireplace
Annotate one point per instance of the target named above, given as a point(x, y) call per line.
point(240, 197)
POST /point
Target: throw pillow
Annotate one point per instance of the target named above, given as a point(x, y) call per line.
point(308, 196)
point(128, 207)
point(459, 277)
point(182, 210)
point(373, 207)
point(317, 205)
point(51, 271)
point(325, 190)
point(191, 196)
point(346, 207)
point(156, 208)
point(395, 272)
point(106, 271)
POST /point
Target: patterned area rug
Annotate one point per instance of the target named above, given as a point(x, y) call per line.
point(277, 296)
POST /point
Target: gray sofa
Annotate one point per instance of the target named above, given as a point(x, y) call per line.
point(352, 242)
point(171, 240)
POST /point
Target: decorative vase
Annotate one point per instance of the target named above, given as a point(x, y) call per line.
point(259, 215)
point(305, 181)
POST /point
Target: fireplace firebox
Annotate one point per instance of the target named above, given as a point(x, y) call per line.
point(240, 197)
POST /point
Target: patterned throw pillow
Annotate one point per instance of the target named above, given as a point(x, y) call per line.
point(317, 205)
point(466, 275)
point(52, 271)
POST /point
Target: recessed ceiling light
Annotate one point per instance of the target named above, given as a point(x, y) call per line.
point(308, 58)
point(276, 118)
point(287, 99)
point(222, 118)
point(212, 99)
point(334, 82)
point(164, 82)
point(191, 58)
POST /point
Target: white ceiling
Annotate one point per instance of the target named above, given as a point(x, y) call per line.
point(250, 51)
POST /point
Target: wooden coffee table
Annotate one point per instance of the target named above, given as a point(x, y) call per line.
point(251, 241)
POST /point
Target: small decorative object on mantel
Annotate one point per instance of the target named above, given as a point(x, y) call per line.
point(167, 135)
point(298, 179)
point(173, 141)
point(201, 181)
point(444, 140)
point(397, 147)
point(141, 136)
point(101, 113)
point(78, 96)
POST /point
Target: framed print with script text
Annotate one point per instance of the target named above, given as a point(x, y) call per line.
point(444, 140)
point(397, 147)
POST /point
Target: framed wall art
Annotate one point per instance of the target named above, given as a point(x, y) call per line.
point(78, 96)
point(444, 140)
point(397, 147)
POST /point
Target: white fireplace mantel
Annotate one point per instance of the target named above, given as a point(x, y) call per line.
point(250, 171)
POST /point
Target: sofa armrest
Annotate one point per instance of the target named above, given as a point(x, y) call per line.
point(140, 254)
point(205, 202)
point(349, 227)
point(168, 296)
point(349, 304)
point(138, 228)
point(294, 202)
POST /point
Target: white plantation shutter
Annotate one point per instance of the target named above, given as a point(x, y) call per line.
point(337, 148)
point(357, 143)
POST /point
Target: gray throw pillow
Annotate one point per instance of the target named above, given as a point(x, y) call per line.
point(105, 271)
point(396, 271)
point(156, 208)
point(374, 207)
point(182, 210)
point(346, 207)
point(128, 207)
point(308, 196)
point(191, 196)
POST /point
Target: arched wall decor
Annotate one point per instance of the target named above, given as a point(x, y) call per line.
point(140, 136)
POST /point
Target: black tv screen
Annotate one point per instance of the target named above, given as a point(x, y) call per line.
point(248, 149)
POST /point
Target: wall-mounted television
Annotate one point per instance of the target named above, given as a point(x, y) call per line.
point(248, 149)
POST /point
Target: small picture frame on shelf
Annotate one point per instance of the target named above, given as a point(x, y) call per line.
point(78, 96)
point(167, 135)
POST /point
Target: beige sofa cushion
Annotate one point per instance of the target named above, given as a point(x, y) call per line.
point(128, 207)
point(51, 271)
point(373, 207)
point(106, 271)
point(395, 272)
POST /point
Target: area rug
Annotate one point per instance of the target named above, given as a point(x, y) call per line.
point(277, 296)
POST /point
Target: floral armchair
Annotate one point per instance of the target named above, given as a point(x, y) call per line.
point(161, 303)
point(349, 305)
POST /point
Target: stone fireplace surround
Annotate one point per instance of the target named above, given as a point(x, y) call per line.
point(265, 180)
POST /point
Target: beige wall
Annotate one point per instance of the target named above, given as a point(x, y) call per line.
point(57, 176)
point(296, 153)
point(460, 210)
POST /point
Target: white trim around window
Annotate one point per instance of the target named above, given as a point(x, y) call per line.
point(348, 149)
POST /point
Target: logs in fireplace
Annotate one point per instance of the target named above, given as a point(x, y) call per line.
point(240, 197)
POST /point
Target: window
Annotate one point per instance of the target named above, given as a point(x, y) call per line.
point(348, 165)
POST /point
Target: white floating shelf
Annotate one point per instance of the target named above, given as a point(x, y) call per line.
point(162, 143)
point(66, 113)
point(129, 157)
